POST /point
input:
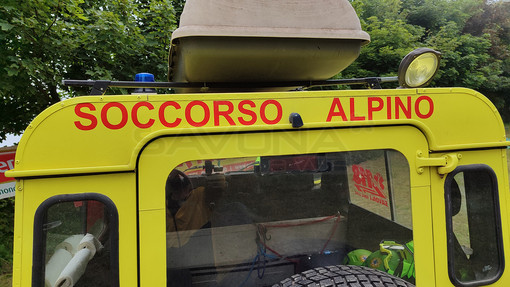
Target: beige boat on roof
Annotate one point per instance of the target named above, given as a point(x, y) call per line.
point(264, 41)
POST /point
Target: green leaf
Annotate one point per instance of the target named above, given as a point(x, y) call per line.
point(5, 26)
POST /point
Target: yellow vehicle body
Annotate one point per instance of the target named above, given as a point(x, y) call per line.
point(123, 147)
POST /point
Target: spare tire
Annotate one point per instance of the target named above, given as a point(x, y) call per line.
point(344, 276)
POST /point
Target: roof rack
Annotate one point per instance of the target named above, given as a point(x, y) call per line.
point(99, 87)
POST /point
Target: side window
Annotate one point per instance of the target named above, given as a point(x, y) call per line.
point(475, 249)
point(76, 242)
point(257, 221)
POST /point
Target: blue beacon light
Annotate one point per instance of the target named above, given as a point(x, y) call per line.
point(144, 77)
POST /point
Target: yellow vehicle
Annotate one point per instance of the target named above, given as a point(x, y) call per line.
point(255, 185)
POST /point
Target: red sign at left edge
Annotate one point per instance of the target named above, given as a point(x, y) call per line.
point(6, 163)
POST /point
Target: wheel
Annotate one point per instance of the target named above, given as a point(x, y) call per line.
point(343, 276)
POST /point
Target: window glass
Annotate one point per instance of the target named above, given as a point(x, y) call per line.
point(259, 220)
point(400, 186)
point(76, 243)
point(380, 183)
point(474, 228)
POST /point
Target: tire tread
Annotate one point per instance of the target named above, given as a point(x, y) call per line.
point(343, 276)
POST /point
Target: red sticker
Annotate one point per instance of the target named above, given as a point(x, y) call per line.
point(369, 185)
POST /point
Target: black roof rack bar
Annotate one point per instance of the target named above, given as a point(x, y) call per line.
point(127, 84)
point(100, 86)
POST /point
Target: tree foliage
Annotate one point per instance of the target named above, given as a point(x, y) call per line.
point(44, 42)
point(472, 35)
point(6, 229)
point(391, 40)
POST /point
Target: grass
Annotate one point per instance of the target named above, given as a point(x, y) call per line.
point(5, 280)
point(5, 273)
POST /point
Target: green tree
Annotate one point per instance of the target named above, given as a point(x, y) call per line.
point(382, 9)
point(472, 35)
point(44, 42)
point(178, 6)
point(6, 229)
point(493, 22)
point(391, 40)
point(434, 14)
point(463, 57)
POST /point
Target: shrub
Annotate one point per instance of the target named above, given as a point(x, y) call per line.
point(6, 229)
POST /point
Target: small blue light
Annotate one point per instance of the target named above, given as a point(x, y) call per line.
point(144, 77)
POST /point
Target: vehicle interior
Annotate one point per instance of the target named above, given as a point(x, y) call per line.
point(272, 217)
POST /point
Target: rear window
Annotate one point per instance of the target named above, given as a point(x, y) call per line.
point(76, 242)
point(256, 221)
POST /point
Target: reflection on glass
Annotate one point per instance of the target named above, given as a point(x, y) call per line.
point(475, 241)
point(256, 221)
point(77, 245)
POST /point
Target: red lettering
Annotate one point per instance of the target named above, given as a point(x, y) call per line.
point(93, 120)
point(6, 165)
point(379, 179)
point(207, 113)
point(353, 112)
point(372, 108)
point(162, 118)
point(399, 106)
point(417, 107)
point(388, 109)
point(104, 116)
point(368, 175)
point(279, 112)
point(225, 114)
point(358, 175)
point(134, 115)
point(333, 113)
point(247, 112)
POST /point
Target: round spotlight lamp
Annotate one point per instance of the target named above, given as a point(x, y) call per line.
point(418, 68)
